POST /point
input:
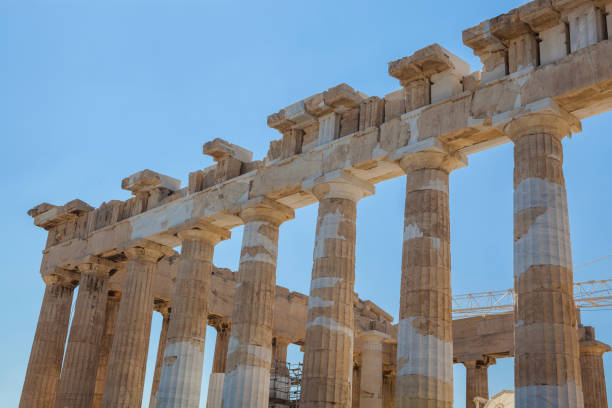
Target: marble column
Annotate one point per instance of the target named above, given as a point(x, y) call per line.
point(164, 309)
point(247, 375)
point(215, 384)
point(425, 339)
point(106, 343)
point(280, 383)
point(371, 394)
point(78, 379)
point(181, 378)
point(546, 361)
point(127, 363)
point(45, 364)
point(389, 389)
point(477, 380)
point(328, 358)
point(593, 376)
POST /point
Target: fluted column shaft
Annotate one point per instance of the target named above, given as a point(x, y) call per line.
point(181, 378)
point(161, 349)
point(215, 384)
point(128, 359)
point(247, 375)
point(371, 389)
point(389, 390)
point(280, 383)
point(45, 364)
point(112, 311)
point(78, 379)
point(328, 355)
point(425, 339)
point(546, 362)
point(592, 369)
point(476, 380)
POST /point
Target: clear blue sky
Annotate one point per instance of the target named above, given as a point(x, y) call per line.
point(91, 93)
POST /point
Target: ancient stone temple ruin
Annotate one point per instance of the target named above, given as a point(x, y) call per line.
point(546, 66)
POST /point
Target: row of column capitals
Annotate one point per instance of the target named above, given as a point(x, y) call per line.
point(264, 209)
point(543, 116)
point(207, 233)
point(340, 184)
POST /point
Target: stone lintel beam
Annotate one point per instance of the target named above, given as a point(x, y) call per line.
point(220, 149)
point(303, 113)
point(148, 180)
point(374, 308)
point(567, 5)
point(48, 216)
point(425, 63)
point(469, 122)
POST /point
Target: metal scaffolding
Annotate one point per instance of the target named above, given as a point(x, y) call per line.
point(285, 385)
point(589, 294)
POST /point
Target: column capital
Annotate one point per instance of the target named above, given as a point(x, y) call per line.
point(62, 277)
point(281, 341)
point(340, 184)
point(114, 295)
point(593, 347)
point(431, 159)
point(374, 336)
point(264, 209)
point(149, 251)
point(220, 323)
point(208, 233)
point(162, 306)
point(484, 362)
point(98, 266)
point(543, 116)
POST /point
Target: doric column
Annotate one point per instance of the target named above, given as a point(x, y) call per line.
point(78, 379)
point(425, 340)
point(43, 373)
point(328, 358)
point(371, 394)
point(128, 359)
point(280, 383)
point(247, 374)
point(106, 343)
point(477, 379)
point(215, 384)
point(389, 389)
point(593, 376)
point(546, 360)
point(181, 378)
point(164, 309)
